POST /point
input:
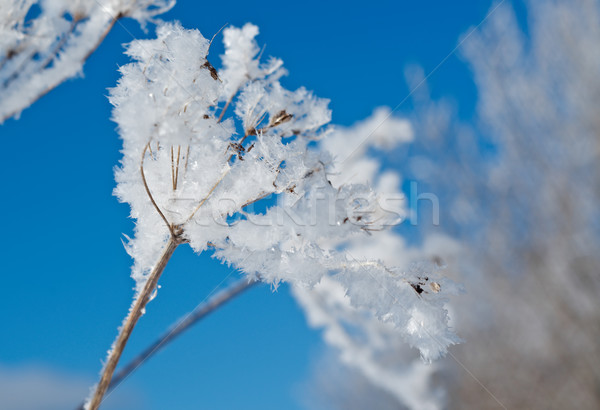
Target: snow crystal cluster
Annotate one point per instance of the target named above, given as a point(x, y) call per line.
point(42, 43)
point(202, 147)
point(370, 346)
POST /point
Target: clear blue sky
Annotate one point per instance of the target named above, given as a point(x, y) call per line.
point(65, 282)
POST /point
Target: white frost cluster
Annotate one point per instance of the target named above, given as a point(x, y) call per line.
point(39, 49)
point(370, 346)
point(361, 342)
point(191, 172)
point(351, 145)
point(240, 62)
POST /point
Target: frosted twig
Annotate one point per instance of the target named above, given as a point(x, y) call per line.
point(131, 320)
point(150, 194)
point(177, 167)
point(224, 109)
point(18, 108)
point(209, 194)
point(177, 328)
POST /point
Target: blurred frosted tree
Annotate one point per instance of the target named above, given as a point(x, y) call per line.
point(518, 190)
point(521, 188)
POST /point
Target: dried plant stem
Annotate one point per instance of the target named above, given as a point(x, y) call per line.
point(173, 183)
point(187, 156)
point(201, 311)
point(224, 109)
point(61, 43)
point(134, 315)
point(177, 166)
point(164, 218)
point(209, 194)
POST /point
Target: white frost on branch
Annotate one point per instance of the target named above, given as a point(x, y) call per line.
point(366, 345)
point(189, 171)
point(521, 184)
point(39, 49)
point(241, 59)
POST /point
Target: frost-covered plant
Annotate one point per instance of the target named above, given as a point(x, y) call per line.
point(191, 173)
point(45, 42)
point(369, 346)
point(382, 362)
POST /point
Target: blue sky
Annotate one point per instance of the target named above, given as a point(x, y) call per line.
point(65, 283)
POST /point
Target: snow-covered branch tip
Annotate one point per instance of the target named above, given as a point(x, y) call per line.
point(43, 43)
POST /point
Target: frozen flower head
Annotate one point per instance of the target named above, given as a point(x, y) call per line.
point(201, 144)
point(187, 166)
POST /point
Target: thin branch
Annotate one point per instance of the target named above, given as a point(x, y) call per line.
point(61, 43)
point(173, 183)
point(132, 318)
point(13, 52)
point(209, 194)
point(190, 319)
point(187, 156)
point(20, 69)
point(151, 153)
point(173, 233)
point(104, 34)
point(215, 35)
point(224, 109)
point(177, 166)
point(258, 198)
